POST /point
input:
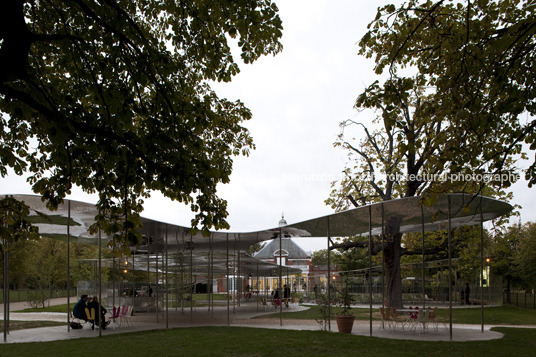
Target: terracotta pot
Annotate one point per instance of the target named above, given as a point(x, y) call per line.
point(345, 323)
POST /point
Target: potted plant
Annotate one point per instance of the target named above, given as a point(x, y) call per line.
point(345, 320)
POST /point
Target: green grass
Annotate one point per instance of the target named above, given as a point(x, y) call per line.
point(21, 325)
point(237, 341)
point(497, 315)
point(23, 295)
point(55, 308)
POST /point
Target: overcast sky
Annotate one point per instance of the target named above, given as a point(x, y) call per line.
point(298, 98)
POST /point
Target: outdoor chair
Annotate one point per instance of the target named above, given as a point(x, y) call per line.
point(413, 317)
point(436, 320)
point(91, 317)
point(265, 304)
point(123, 316)
point(115, 314)
point(423, 319)
point(386, 318)
point(432, 317)
point(396, 318)
point(129, 314)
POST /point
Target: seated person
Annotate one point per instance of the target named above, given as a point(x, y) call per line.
point(79, 308)
point(94, 304)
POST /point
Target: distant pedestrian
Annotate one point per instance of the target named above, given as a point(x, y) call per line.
point(466, 293)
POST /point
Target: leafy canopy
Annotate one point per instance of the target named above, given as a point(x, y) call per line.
point(477, 60)
point(114, 96)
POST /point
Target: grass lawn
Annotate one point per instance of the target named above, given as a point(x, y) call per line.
point(497, 315)
point(21, 325)
point(237, 341)
point(55, 308)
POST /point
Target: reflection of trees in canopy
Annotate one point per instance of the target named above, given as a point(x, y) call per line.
point(113, 96)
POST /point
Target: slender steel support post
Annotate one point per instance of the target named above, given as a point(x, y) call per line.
point(6, 290)
point(100, 283)
point(383, 262)
point(450, 267)
point(227, 273)
point(258, 287)
point(280, 287)
point(235, 283)
point(212, 277)
point(481, 268)
point(191, 279)
point(370, 267)
point(166, 276)
point(113, 279)
point(239, 287)
point(383, 258)
point(183, 274)
point(208, 269)
point(423, 273)
point(328, 284)
point(157, 295)
point(69, 266)
point(133, 270)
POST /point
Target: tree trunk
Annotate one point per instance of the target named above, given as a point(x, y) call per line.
point(392, 269)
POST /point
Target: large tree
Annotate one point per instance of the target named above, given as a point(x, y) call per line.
point(477, 58)
point(114, 96)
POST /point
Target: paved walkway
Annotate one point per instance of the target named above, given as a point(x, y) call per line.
point(247, 315)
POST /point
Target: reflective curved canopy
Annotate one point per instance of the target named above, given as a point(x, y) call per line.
point(401, 215)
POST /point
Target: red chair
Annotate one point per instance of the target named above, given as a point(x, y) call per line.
point(116, 311)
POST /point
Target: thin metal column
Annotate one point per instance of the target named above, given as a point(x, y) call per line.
point(423, 272)
point(227, 273)
point(258, 290)
point(68, 266)
point(279, 288)
point(239, 280)
point(208, 268)
point(450, 269)
point(166, 277)
point(212, 277)
point(8, 275)
point(370, 267)
point(481, 268)
point(383, 258)
point(133, 270)
point(191, 279)
point(113, 280)
point(329, 279)
point(235, 284)
point(100, 283)
point(383, 263)
point(157, 295)
point(183, 275)
point(6, 291)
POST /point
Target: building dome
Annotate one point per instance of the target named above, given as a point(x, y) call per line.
point(282, 222)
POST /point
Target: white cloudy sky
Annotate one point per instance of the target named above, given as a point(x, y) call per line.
point(298, 98)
